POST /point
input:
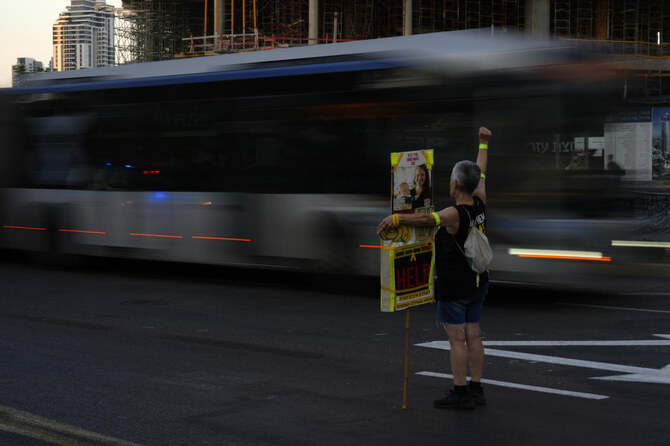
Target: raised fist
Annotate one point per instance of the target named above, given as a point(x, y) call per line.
point(484, 135)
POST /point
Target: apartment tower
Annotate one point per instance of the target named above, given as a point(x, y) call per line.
point(83, 36)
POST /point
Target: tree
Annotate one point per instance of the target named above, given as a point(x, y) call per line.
point(19, 69)
point(19, 72)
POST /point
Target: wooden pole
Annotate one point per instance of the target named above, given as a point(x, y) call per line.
point(255, 14)
point(405, 386)
point(216, 16)
point(206, 2)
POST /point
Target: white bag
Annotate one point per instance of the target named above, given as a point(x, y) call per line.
point(477, 249)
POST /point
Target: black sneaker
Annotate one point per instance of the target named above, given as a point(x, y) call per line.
point(478, 396)
point(455, 401)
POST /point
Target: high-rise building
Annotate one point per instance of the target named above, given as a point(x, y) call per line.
point(83, 36)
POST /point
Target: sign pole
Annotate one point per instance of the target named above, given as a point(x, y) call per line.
point(407, 252)
point(404, 393)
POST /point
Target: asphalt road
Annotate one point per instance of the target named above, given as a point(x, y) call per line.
point(125, 353)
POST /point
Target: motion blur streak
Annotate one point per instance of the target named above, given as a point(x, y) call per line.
point(555, 253)
point(82, 232)
point(641, 244)
point(601, 259)
point(289, 151)
point(156, 235)
point(24, 227)
point(222, 238)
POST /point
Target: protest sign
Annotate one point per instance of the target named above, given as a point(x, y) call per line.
point(407, 252)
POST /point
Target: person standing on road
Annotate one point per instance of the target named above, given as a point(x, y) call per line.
point(460, 291)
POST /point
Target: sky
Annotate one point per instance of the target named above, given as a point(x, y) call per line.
point(26, 31)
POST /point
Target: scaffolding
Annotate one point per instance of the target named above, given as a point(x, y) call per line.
point(150, 30)
point(451, 15)
point(332, 23)
point(124, 35)
point(624, 21)
point(574, 18)
point(651, 22)
point(506, 14)
point(363, 17)
point(154, 28)
point(465, 14)
point(285, 18)
point(473, 14)
point(389, 21)
point(160, 29)
point(425, 17)
point(602, 13)
point(583, 19)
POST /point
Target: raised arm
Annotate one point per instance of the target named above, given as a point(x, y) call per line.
point(482, 161)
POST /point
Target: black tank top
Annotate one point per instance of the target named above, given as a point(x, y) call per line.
point(455, 279)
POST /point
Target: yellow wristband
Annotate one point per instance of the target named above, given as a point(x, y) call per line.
point(483, 176)
point(483, 147)
point(437, 218)
point(396, 220)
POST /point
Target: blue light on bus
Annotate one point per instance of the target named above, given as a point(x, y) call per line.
point(129, 166)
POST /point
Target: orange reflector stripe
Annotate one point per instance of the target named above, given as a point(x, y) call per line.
point(156, 235)
point(370, 246)
point(595, 259)
point(81, 232)
point(223, 238)
point(24, 227)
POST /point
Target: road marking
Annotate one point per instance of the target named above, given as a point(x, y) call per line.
point(640, 377)
point(50, 431)
point(493, 382)
point(444, 345)
point(633, 373)
point(619, 343)
point(618, 308)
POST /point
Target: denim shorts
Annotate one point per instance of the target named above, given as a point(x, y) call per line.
point(463, 311)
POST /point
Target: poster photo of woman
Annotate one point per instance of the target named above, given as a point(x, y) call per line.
point(412, 186)
point(422, 191)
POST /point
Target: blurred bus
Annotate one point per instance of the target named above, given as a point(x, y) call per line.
point(280, 159)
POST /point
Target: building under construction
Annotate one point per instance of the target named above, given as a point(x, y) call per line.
point(149, 30)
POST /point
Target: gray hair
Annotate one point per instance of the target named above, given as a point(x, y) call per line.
point(467, 174)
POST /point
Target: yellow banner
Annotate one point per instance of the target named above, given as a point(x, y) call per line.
point(407, 276)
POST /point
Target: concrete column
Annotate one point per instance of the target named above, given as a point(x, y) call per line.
point(220, 11)
point(313, 21)
point(407, 18)
point(538, 14)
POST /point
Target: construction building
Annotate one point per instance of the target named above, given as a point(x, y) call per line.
point(149, 30)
